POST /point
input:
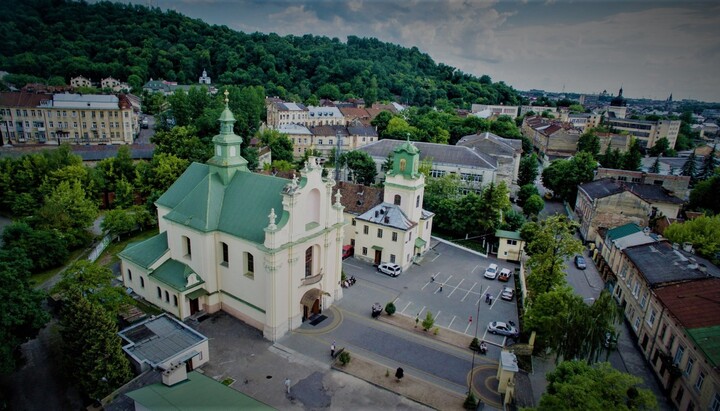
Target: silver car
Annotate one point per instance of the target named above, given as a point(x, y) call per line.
point(391, 269)
point(501, 328)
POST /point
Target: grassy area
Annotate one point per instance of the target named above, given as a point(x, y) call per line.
point(109, 256)
point(147, 308)
point(39, 278)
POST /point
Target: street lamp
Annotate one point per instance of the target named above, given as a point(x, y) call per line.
point(472, 367)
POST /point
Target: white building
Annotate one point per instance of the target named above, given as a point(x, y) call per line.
point(264, 249)
point(204, 79)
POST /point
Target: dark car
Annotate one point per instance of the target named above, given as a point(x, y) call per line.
point(580, 262)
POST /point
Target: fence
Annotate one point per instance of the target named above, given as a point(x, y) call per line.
point(102, 245)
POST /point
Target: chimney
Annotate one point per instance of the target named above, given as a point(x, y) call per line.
point(687, 247)
point(175, 374)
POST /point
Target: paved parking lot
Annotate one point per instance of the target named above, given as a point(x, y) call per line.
point(448, 283)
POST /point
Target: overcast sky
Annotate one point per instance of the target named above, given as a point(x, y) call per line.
point(652, 48)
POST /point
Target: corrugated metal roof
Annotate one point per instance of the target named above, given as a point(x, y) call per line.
point(388, 215)
point(623, 230)
point(145, 253)
point(439, 153)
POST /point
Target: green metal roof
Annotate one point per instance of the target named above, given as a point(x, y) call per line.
point(198, 199)
point(419, 242)
point(513, 235)
point(197, 293)
point(707, 340)
point(198, 392)
point(174, 274)
point(376, 247)
point(623, 231)
point(145, 253)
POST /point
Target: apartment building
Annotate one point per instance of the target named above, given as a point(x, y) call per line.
point(551, 138)
point(669, 297)
point(538, 110)
point(72, 118)
point(486, 110)
point(280, 113)
point(80, 81)
point(646, 132)
point(678, 186)
point(325, 138)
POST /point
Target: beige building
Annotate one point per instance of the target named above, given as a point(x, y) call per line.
point(507, 153)
point(608, 203)
point(551, 138)
point(678, 186)
point(325, 138)
point(71, 118)
point(264, 249)
point(109, 82)
point(510, 245)
point(80, 81)
point(486, 110)
point(397, 230)
point(669, 297)
point(647, 132)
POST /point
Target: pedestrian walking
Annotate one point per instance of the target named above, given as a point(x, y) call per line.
point(470, 319)
point(332, 350)
point(432, 278)
point(287, 385)
point(487, 297)
point(440, 288)
point(490, 300)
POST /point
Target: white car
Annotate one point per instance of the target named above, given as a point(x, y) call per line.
point(491, 272)
point(507, 294)
point(391, 269)
point(499, 327)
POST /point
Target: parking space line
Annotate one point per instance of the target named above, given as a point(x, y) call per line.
point(495, 300)
point(436, 257)
point(406, 307)
point(468, 326)
point(468, 292)
point(473, 270)
point(421, 310)
point(431, 281)
point(456, 287)
point(437, 316)
point(451, 321)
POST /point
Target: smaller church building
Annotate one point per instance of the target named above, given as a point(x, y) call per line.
point(264, 249)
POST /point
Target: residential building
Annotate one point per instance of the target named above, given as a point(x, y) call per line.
point(537, 110)
point(669, 297)
point(325, 138)
point(280, 113)
point(510, 245)
point(507, 152)
point(620, 142)
point(551, 138)
point(162, 342)
point(580, 121)
point(678, 186)
point(609, 244)
point(71, 118)
point(109, 82)
point(609, 203)
point(475, 169)
point(646, 132)
point(357, 200)
point(324, 116)
point(264, 249)
point(486, 110)
point(80, 81)
point(397, 230)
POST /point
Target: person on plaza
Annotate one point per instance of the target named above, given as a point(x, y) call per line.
point(483, 347)
point(287, 384)
point(332, 350)
point(490, 300)
point(487, 297)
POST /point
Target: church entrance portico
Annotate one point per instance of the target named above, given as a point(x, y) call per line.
point(311, 303)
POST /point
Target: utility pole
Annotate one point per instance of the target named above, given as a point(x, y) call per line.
point(338, 145)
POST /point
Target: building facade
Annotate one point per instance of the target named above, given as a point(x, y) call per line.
point(507, 153)
point(68, 118)
point(264, 249)
point(647, 132)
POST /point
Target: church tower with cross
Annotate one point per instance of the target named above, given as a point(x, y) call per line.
point(264, 249)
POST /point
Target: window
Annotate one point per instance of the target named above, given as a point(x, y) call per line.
point(715, 406)
point(187, 247)
point(250, 261)
point(175, 300)
point(308, 261)
point(689, 366)
point(129, 275)
point(679, 354)
point(663, 330)
point(364, 251)
point(394, 236)
point(159, 293)
point(392, 258)
point(623, 272)
point(167, 297)
point(636, 288)
point(379, 234)
point(679, 394)
point(366, 229)
point(354, 223)
point(225, 254)
point(417, 201)
point(651, 318)
point(643, 300)
point(142, 282)
point(637, 323)
point(700, 380)
point(512, 242)
point(396, 199)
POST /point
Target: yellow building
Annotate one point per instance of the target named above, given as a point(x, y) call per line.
point(71, 118)
point(510, 245)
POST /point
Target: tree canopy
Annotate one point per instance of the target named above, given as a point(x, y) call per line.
point(563, 176)
point(702, 232)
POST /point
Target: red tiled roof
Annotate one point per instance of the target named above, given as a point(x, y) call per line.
point(354, 112)
point(358, 198)
point(696, 304)
point(23, 99)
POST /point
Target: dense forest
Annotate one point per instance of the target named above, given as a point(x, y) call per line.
point(54, 39)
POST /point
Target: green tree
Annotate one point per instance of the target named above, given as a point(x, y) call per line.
point(21, 304)
point(704, 195)
point(702, 232)
point(575, 385)
point(494, 201)
point(611, 158)
point(118, 222)
point(361, 165)
point(182, 142)
point(549, 244)
point(513, 220)
point(504, 126)
point(655, 168)
point(689, 168)
point(632, 159)
point(709, 165)
point(91, 347)
point(68, 210)
point(390, 308)
point(280, 145)
point(44, 248)
point(563, 176)
point(155, 177)
point(528, 171)
point(589, 143)
point(526, 191)
point(381, 122)
point(661, 147)
point(534, 205)
point(428, 322)
point(93, 282)
point(124, 194)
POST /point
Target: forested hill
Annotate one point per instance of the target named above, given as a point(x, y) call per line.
point(47, 38)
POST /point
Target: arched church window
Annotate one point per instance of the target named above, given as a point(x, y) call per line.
point(396, 200)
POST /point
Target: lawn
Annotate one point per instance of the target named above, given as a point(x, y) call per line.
point(109, 256)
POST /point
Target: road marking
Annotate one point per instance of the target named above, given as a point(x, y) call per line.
point(421, 310)
point(495, 300)
point(456, 287)
point(468, 326)
point(436, 316)
point(406, 307)
point(473, 270)
point(436, 257)
point(451, 321)
point(468, 292)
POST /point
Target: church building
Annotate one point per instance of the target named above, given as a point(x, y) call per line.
point(264, 249)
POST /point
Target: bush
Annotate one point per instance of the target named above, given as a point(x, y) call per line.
point(390, 308)
point(344, 357)
point(436, 330)
point(475, 344)
point(470, 402)
point(428, 322)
